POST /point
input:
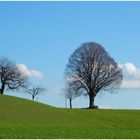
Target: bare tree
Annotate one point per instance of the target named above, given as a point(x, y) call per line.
point(92, 70)
point(10, 76)
point(70, 92)
point(35, 90)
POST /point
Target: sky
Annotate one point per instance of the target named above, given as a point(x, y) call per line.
point(40, 36)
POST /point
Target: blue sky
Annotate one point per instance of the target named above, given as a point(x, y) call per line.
point(42, 36)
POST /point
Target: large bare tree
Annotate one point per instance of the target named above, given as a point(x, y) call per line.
point(10, 76)
point(35, 90)
point(92, 70)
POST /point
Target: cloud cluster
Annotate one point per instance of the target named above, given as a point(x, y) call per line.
point(29, 73)
point(131, 76)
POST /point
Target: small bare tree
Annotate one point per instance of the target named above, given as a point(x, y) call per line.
point(35, 90)
point(70, 92)
point(10, 76)
point(91, 70)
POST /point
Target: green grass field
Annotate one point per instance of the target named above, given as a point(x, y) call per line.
point(20, 118)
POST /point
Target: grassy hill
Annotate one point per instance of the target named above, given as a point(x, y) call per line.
point(20, 118)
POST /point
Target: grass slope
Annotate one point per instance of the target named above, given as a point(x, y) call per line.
point(20, 118)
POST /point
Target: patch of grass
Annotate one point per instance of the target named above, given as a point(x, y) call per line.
point(22, 118)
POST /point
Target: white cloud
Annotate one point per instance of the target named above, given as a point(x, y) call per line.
point(131, 76)
point(29, 73)
point(130, 70)
point(131, 84)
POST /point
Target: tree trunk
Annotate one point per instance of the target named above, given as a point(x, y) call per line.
point(2, 88)
point(71, 103)
point(33, 98)
point(91, 101)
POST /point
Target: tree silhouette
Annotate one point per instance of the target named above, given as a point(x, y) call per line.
point(91, 70)
point(70, 92)
point(35, 90)
point(10, 76)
